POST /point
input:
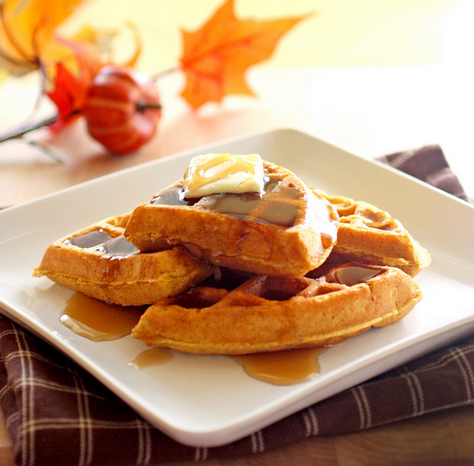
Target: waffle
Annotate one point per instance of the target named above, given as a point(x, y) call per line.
point(100, 263)
point(370, 235)
point(269, 313)
point(287, 231)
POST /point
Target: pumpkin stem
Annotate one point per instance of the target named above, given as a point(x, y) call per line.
point(141, 106)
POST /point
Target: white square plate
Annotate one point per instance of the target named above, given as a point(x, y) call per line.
point(209, 400)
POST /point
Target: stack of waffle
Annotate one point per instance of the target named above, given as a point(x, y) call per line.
point(236, 273)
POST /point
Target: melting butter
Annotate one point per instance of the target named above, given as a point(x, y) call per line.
point(223, 173)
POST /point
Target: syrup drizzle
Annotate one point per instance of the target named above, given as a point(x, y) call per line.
point(98, 320)
point(118, 246)
point(273, 211)
point(152, 357)
point(288, 367)
point(90, 239)
point(268, 208)
point(103, 242)
point(378, 219)
point(173, 196)
point(351, 275)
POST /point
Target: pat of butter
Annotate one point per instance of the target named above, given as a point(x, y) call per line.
point(223, 173)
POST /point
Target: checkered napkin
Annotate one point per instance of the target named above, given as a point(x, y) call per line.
point(57, 413)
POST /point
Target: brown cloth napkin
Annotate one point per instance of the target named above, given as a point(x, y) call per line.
point(57, 413)
point(429, 164)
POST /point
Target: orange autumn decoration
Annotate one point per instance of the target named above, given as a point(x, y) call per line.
point(121, 107)
point(67, 86)
point(69, 81)
point(29, 41)
point(216, 56)
point(27, 33)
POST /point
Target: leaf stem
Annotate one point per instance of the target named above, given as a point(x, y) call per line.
point(164, 73)
point(27, 127)
point(46, 150)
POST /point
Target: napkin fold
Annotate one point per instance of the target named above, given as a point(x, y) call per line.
point(57, 413)
point(428, 163)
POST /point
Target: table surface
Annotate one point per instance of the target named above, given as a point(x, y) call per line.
point(370, 76)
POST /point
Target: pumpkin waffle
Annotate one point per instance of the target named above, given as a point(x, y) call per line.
point(99, 262)
point(370, 235)
point(269, 313)
point(286, 231)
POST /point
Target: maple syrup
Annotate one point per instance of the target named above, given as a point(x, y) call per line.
point(351, 275)
point(173, 195)
point(103, 242)
point(118, 246)
point(273, 209)
point(225, 278)
point(288, 367)
point(101, 321)
point(152, 357)
point(327, 240)
point(98, 320)
point(378, 219)
point(89, 239)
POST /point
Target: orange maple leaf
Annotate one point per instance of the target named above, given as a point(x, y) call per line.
point(216, 56)
point(68, 79)
point(27, 31)
point(69, 76)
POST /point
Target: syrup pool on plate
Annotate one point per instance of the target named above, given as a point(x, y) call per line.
point(152, 357)
point(287, 367)
point(98, 320)
point(101, 321)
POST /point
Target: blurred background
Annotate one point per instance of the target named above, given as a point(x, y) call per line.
point(372, 76)
point(339, 33)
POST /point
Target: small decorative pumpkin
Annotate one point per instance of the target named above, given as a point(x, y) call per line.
point(122, 109)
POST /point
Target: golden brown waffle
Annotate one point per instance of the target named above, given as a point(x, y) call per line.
point(276, 313)
point(370, 235)
point(100, 263)
point(287, 231)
